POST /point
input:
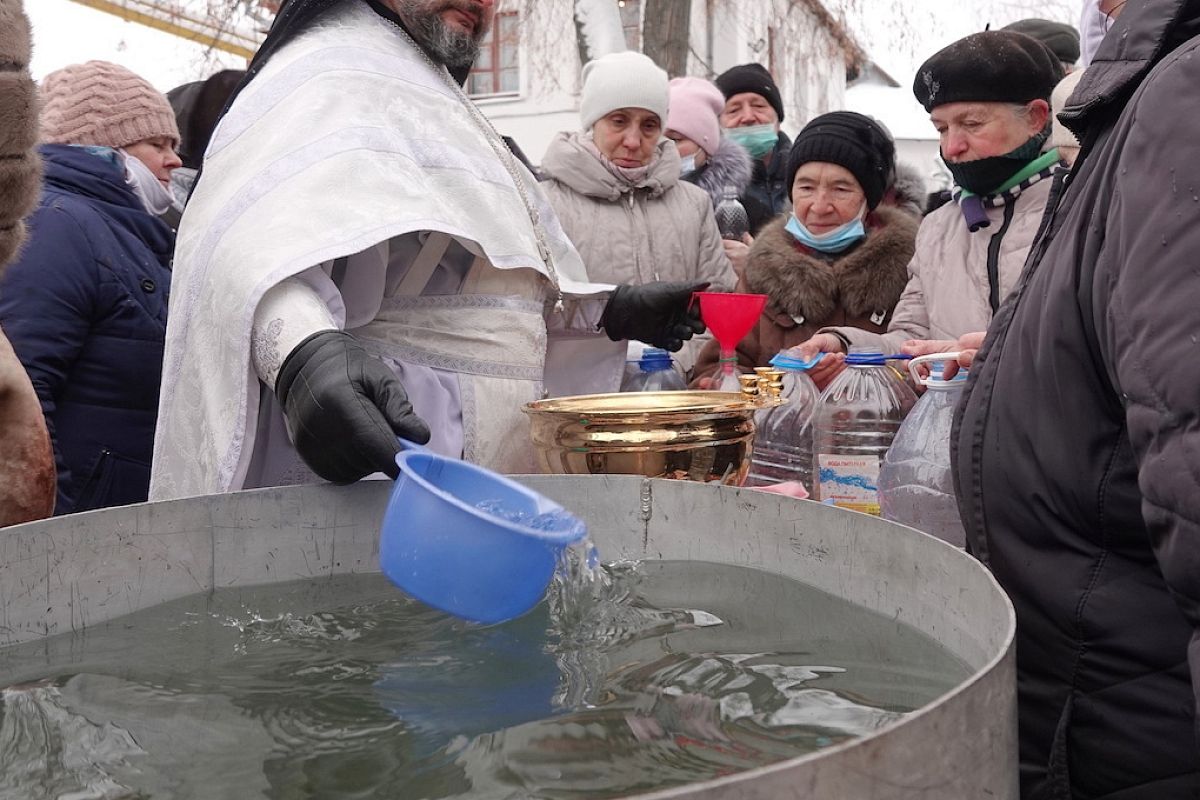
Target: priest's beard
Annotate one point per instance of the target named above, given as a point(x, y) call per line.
point(449, 46)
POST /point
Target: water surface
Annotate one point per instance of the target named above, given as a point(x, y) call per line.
point(659, 674)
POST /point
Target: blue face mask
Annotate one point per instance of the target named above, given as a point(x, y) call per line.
point(835, 241)
point(687, 164)
point(757, 139)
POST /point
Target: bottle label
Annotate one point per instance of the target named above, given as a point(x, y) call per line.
point(850, 482)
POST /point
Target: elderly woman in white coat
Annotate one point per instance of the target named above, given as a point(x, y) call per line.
point(617, 190)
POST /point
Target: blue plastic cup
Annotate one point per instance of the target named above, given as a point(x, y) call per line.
point(442, 544)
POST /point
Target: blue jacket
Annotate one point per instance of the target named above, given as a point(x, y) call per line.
point(85, 307)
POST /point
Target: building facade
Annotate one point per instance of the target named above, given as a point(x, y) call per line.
point(527, 77)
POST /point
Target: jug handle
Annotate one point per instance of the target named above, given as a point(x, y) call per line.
point(405, 444)
point(912, 365)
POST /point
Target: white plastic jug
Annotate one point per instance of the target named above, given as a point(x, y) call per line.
point(916, 486)
point(783, 440)
point(655, 371)
point(856, 421)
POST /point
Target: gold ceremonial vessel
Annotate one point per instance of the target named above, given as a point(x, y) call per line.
point(691, 435)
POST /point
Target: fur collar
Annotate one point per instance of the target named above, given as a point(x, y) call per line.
point(808, 288)
point(908, 191)
point(729, 166)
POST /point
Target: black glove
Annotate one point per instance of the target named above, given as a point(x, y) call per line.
point(345, 408)
point(661, 314)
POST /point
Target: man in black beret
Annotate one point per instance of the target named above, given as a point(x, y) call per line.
point(1061, 38)
point(753, 111)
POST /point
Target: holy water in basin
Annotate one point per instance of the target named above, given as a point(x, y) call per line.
point(340, 686)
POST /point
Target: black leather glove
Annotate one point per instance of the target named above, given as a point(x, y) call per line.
point(662, 314)
point(345, 408)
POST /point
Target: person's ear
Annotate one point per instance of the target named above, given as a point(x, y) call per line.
point(1039, 115)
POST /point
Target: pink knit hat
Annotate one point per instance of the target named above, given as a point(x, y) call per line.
point(105, 104)
point(695, 111)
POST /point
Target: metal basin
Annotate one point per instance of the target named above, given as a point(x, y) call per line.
point(705, 437)
point(72, 573)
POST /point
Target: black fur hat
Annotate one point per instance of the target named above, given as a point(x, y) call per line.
point(992, 66)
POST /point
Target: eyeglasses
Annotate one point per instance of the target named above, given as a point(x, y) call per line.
point(1106, 24)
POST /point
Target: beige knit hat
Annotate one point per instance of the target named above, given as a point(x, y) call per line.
point(104, 104)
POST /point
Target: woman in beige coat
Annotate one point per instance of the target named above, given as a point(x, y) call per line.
point(616, 186)
point(27, 478)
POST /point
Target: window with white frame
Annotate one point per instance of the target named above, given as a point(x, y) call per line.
point(497, 68)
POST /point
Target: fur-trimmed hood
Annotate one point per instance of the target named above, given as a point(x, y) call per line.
point(20, 167)
point(731, 165)
point(908, 192)
point(808, 288)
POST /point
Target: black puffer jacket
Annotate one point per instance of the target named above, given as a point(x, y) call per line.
point(1078, 442)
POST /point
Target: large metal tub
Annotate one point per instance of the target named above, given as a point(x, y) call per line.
point(63, 575)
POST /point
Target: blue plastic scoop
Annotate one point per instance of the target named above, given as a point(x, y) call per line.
point(470, 542)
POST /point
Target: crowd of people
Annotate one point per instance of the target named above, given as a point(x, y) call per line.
point(448, 283)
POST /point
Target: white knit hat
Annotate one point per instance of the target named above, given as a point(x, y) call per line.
point(622, 80)
point(1061, 136)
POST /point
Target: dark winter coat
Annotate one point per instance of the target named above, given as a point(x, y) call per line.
point(768, 194)
point(1078, 444)
point(85, 307)
point(729, 166)
point(809, 291)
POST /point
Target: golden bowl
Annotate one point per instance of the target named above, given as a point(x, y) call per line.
point(695, 436)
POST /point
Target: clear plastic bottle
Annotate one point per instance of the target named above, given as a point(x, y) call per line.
point(856, 421)
point(783, 441)
point(916, 487)
point(656, 372)
point(732, 219)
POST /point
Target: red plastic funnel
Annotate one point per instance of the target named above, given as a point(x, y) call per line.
point(730, 315)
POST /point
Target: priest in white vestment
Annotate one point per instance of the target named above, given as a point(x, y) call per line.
point(364, 258)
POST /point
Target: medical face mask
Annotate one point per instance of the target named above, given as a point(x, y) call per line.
point(835, 241)
point(155, 197)
point(757, 139)
point(687, 164)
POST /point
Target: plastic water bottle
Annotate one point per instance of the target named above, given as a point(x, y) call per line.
point(732, 219)
point(856, 421)
point(656, 372)
point(783, 442)
point(916, 487)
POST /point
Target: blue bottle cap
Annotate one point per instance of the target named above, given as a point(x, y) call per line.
point(654, 359)
point(790, 363)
